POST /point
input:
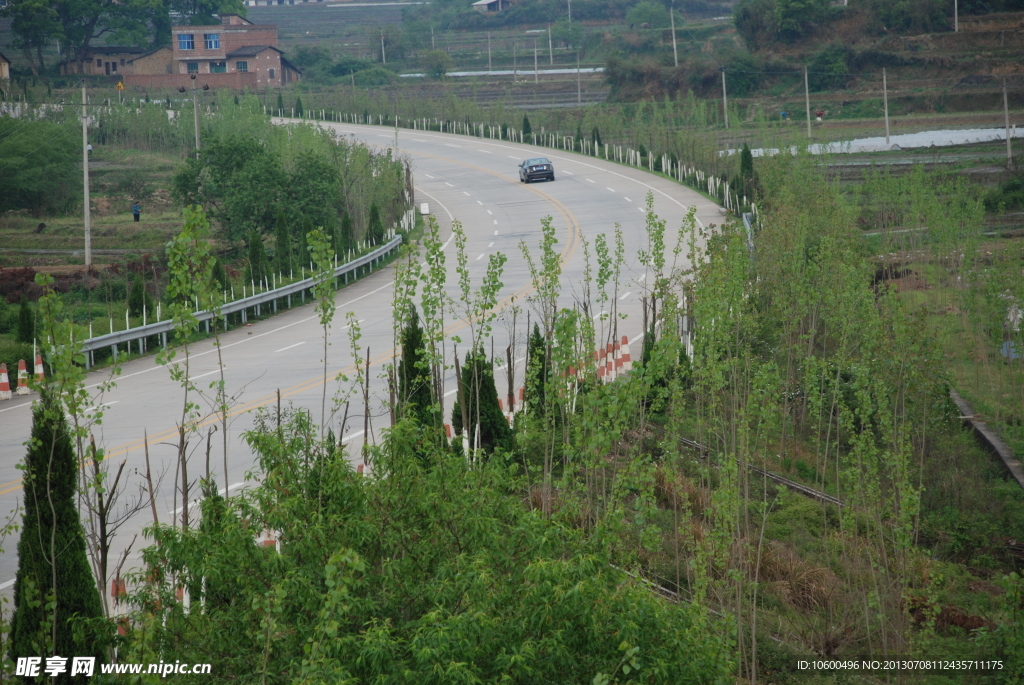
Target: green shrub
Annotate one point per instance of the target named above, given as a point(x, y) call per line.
point(375, 76)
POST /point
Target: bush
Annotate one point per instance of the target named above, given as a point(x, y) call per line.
point(755, 22)
point(651, 13)
point(375, 76)
point(10, 353)
point(830, 67)
point(1008, 196)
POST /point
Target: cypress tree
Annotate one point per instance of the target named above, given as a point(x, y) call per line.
point(414, 396)
point(527, 129)
point(280, 103)
point(536, 372)
point(139, 297)
point(258, 267)
point(219, 276)
point(348, 241)
point(282, 244)
point(298, 107)
point(595, 135)
point(480, 392)
point(26, 322)
point(303, 251)
point(375, 229)
point(57, 606)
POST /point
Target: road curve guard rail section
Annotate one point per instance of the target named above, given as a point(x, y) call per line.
point(269, 297)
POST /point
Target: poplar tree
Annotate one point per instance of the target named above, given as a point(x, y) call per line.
point(414, 398)
point(375, 227)
point(26, 322)
point(55, 595)
point(258, 267)
point(282, 244)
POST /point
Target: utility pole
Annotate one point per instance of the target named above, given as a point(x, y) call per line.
point(551, 50)
point(488, 51)
point(956, 16)
point(807, 102)
point(1006, 121)
point(383, 57)
point(85, 178)
point(195, 112)
point(725, 98)
point(515, 66)
point(433, 47)
point(536, 78)
point(579, 95)
point(570, 10)
point(672, 18)
point(885, 104)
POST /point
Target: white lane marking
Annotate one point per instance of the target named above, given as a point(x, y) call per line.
point(640, 208)
point(208, 373)
point(290, 347)
point(490, 212)
point(644, 277)
point(495, 233)
point(495, 222)
point(511, 157)
point(427, 175)
point(450, 392)
point(196, 501)
point(490, 244)
point(480, 203)
point(569, 173)
point(590, 181)
point(452, 145)
point(353, 435)
point(609, 189)
point(624, 296)
point(600, 315)
point(627, 199)
point(484, 151)
point(418, 140)
point(465, 193)
point(448, 184)
point(480, 257)
point(7, 584)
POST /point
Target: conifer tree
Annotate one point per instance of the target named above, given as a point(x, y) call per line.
point(26, 322)
point(280, 103)
point(258, 267)
point(375, 227)
point(414, 397)
point(138, 297)
point(347, 236)
point(282, 244)
point(536, 372)
point(527, 129)
point(481, 397)
point(57, 607)
point(298, 107)
point(303, 251)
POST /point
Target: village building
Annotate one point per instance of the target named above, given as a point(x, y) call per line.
point(5, 67)
point(233, 54)
point(108, 60)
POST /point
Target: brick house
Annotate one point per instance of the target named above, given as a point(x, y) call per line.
point(154, 62)
point(233, 54)
point(109, 60)
point(5, 67)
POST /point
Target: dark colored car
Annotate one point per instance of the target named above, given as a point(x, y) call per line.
point(536, 168)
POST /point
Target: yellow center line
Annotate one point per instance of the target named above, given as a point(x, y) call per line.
point(572, 243)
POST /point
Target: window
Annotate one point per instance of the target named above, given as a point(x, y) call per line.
point(99, 62)
point(113, 67)
point(242, 66)
point(218, 67)
point(186, 41)
point(271, 74)
point(193, 67)
point(212, 41)
point(122, 61)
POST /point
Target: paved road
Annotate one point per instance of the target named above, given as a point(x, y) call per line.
point(469, 179)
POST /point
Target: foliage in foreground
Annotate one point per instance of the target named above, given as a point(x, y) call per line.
point(434, 574)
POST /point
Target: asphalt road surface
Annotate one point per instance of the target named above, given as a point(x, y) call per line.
point(469, 179)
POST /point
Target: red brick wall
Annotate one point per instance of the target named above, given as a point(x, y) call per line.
point(235, 80)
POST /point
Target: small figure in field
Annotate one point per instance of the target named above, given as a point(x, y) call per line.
point(785, 115)
point(136, 211)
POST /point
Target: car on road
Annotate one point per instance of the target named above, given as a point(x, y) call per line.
point(536, 168)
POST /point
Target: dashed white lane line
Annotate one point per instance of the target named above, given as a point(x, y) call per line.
point(495, 233)
point(480, 203)
point(486, 152)
point(590, 181)
point(208, 373)
point(627, 199)
point(600, 315)
point(427, 175)
point(625, 295)
point(640, 208)
point(448, 184)
point(465, 193)
point(352, 435)
point(569, 173)
point(452, 145)
point(495, 222)
point(490, 212)
point(490, 244)
point(194, 502)
point(480, 257)
point(609, 189)
point(450, 392)
point(511, 157)
point(100, 406)
point(290, 347)
point(418, 140)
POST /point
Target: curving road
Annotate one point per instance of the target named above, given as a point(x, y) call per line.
point(469, 179)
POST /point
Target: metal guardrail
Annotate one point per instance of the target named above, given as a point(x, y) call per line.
point(162, 328)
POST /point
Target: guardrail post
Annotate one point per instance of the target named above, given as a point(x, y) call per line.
point(113, 351)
